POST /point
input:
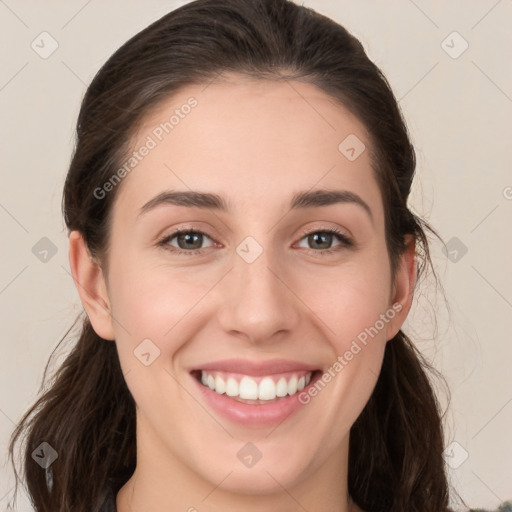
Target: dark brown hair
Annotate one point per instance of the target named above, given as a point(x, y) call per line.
point(87, 413)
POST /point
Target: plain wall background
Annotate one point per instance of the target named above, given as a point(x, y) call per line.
point(459, 113)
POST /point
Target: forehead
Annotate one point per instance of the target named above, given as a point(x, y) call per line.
point(250, 140)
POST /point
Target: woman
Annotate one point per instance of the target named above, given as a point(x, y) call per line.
point(242, 246)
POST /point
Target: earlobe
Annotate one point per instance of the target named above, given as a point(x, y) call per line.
point(403, 287)
point(91, 285)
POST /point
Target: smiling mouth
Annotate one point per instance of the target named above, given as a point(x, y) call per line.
point(253, 390)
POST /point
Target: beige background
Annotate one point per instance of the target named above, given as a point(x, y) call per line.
point(459, 112)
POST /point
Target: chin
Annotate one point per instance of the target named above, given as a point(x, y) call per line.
point(257, 482)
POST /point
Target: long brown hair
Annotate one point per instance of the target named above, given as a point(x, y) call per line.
point(87, 413)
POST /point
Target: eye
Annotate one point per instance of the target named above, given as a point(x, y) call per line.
point(188, 241)
point(323, 239)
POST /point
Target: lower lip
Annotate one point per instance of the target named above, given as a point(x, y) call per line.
point(255, 415)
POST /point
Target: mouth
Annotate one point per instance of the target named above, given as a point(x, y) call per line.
point(256, 390)
point(254, 393)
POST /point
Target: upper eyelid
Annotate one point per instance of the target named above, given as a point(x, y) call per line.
point(324, 228)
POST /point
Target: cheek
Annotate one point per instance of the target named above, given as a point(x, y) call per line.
point(354, 310)
point(151, 301)
point(154, 316)
point(350, 300)
point(165, 305)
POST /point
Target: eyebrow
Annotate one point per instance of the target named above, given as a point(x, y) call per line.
point(208, 200)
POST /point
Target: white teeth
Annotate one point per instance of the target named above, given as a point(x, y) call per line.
point(292, 385)
point(220, 386)
point(282, 387)
point(267, 389)
point(231, 387)
point(249, 389)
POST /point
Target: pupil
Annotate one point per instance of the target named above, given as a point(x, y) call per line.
point(315, 236)
point(188, 237)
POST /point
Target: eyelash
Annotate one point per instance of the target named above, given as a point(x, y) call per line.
point(346, 242)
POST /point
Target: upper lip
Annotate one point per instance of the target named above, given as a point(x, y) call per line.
point(255, 368)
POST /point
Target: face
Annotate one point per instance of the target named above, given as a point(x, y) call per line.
point(261, 293)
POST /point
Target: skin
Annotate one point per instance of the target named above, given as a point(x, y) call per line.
point(255, 142)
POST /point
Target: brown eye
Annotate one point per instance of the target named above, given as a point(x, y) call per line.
point(187, 241)
point(321, 240)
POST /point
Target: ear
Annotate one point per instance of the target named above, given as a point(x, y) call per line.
point(91, 285)
point(403, 288)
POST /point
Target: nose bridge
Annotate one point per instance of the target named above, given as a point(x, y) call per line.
point(260, 303)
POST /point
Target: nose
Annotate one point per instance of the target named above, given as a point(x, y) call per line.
point(259, 302)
